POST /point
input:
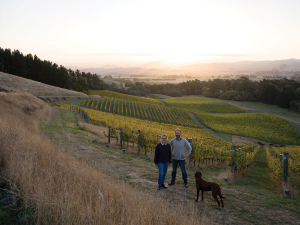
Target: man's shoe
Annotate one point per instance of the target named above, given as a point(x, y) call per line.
point(164, 186)
point(159, 187)
point(171, 183)
point(186, 185)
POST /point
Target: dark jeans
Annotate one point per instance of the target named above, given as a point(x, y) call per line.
point(182, 167)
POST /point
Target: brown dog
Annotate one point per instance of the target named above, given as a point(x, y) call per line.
point(204, 185)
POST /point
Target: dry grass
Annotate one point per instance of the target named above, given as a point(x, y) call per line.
point(48, 93)
point(228, 174)
point(63, 190)
point(93, 128)
point(294, 193)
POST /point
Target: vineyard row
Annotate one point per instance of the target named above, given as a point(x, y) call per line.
point(142, 111)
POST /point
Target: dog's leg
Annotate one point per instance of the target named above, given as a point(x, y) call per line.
point(197, 196)
point(215, 195)
point(202, 194)
point(221, 197)
point(221, 200)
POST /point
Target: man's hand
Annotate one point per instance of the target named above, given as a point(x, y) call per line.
point(156, 165)
point(173, 154)
point(183, 156)
point(169, 164)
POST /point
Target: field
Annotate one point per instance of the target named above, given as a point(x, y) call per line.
point(150, 112)
point(257, 107)
point(120, 96)
point(262, 126)
point(44, 184)
point(227, 118)
point(201, 105)
point(243, 196)
point(52, 180)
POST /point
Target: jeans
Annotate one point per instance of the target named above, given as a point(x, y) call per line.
point(182, 167)
point(162, 168)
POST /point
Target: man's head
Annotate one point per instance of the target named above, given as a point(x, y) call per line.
point(177, 133)
point(164, 138)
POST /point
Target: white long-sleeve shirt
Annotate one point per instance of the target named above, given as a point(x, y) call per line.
point(179, 148)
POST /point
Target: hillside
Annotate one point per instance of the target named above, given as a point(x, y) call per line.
point(48, 93)
point(244, 196)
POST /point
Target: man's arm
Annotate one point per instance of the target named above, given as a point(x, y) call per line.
point(172, 147)
point(187, 144)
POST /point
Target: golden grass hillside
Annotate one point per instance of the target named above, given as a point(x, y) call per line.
point(62, 190)
point(48, 93)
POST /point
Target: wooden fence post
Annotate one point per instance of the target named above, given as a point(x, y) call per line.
point(120, 137)
point(233, 148)
point(139, 141)
point(285, 165)
point(109, 134)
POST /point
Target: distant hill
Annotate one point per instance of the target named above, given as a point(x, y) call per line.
point(164, 68)
point(251, 66)
point(48, 93)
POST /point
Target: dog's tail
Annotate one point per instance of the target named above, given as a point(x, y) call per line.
point(221, 196)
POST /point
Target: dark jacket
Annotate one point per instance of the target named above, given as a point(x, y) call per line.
point(163, 153)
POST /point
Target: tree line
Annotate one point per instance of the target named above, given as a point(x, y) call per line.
point(47, 72)
point(282, 92)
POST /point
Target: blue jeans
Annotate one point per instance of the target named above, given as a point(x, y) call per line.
point(162, 168)
point(182, 167)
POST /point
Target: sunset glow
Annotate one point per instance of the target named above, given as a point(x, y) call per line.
point(95, 33)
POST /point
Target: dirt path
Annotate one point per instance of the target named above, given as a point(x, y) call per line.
point(243, 197)
point(163, 103)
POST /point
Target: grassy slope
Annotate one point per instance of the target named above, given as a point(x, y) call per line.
point(292, 117)
point(45, 91)
point(250, 200)
point(117, 95)
point(262, 126)
point(201, 105)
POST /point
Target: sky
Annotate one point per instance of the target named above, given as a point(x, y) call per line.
point(98, 33)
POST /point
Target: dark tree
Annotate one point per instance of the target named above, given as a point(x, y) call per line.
point(81, 85)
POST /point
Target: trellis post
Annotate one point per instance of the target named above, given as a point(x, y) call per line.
point(233, 148)
point(285, 165)
point(139, 141)
point(109, 134)
point(120, 137)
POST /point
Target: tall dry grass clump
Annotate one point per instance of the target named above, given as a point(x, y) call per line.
point(62, 190)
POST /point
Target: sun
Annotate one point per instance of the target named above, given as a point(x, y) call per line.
point(179, 58)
